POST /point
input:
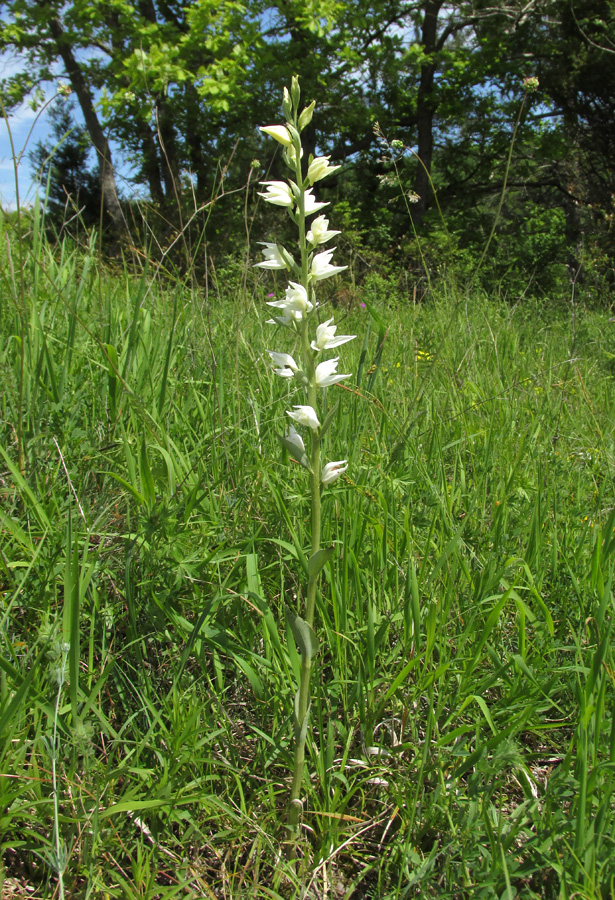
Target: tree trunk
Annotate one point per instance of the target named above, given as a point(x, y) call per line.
point(168, 148)
point(97, 135)
point(425, 110)
point(149, 145)
point(151, 166)
point(165, 126)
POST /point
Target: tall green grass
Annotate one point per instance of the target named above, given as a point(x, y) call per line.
point(463, 738)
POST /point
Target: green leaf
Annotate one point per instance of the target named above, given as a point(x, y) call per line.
point(27, 494)
point(301, 727)
point(306, 116)
point(301, 377)
point(318, 560)
point(129, 487)
point(328, 419)
point(304, 634)
point(148, 487)
point(301, 458)
point(486, 713)
point(112, 371)
point(252, 577)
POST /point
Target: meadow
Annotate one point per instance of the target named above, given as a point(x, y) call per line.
point(462, 740)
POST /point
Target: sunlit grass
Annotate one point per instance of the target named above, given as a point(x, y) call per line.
point(463, 736)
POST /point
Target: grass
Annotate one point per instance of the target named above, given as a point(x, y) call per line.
point(463, 740)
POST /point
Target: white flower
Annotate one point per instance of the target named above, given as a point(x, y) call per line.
point(333, 470)
point(279, 133)
point(326, 375)
point(286, 364)
point(278, 193)
point(273, 257)
point(297, 298)
point(320, 168)
point(295, 301)
point(292, 155)
point(325, 337)
point(311, 203)
point(321, 266)
point(305, 415)
point(294, 438)
point(318, 233)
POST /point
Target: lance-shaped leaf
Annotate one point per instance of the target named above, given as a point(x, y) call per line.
point(318, 560)
point(301, 727)
point(328, 419)
point(287, 106)
point(304, 634)
point(290, 261)
point(296, 451)
point(306, 116)
point(296, 137)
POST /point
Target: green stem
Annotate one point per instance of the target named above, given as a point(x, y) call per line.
point(59, 856)
point(315, 523)
point(295, 806)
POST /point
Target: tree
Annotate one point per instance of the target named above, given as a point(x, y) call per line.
point(183, 85)
point(64, 164)
point(45, 34)
point(144, 61)
point(577, 69)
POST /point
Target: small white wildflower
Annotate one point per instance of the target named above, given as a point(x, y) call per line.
point(319, 233)
point(326, 375)
point(278, 193)
point(279, 133)
point(304, 415)
point(326, 339)
point(312, 205)
point(322, 268)
point(320, 168)
point(286, 365)
point(333, 470)
point(273, 257)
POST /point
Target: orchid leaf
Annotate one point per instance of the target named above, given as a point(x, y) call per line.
point(295, 452)
point(318, 560)
point(289, 260)
point(328, 419)
point(301, 727)
point(302, 378)
point(303, 633)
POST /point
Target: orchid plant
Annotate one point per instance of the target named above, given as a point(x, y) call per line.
point(297, 312)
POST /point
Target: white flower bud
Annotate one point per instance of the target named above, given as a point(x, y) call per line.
point(304, 415)
point(333, 470)
point(278, 133)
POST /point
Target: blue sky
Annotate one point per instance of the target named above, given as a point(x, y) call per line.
point(26, 131)
point(26, 127)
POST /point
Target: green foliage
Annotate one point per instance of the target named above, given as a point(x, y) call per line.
point(69, 184)
point(462, 733)
point(184, 87)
